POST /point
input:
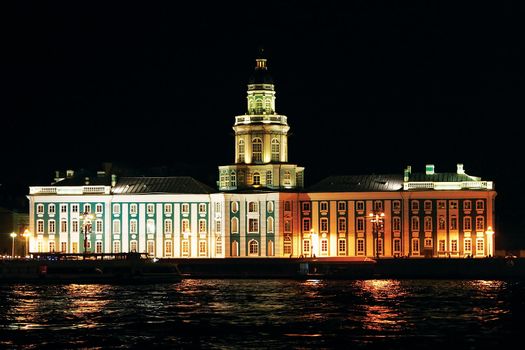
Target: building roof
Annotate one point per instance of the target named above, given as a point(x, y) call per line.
point(358, 183)
point(78, 180)
point(177, 184)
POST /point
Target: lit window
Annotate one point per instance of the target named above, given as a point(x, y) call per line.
point(235, 207)
point(270, 251)
point(40, 209)
point(341, 225)
point(185, 225)
point(253, 247)
point(235, 225)
point(235, 248)
point(269, 224)
point(428, 243)
point(306, 246)
point(233, 179)
point(202, 248)
point(442, 245)
point(324, 246)
point(185, 208)
point(133, 208)
point(98, 247)
point(467, 244)
point(116, 247)
point(202, 226)
point(270, 206)
point(116, 209)
point(415, 246)
point(241, 151)
point(275, 150)
point(397, 245)
point(256, 179)
point(133, 226)
point(257, 150)
point(218, 245)
point(454, 245)
point(269, 178)
point(185, 248)
point(168, 248)
point(168, 209)
point(52, 246)
point(253, 207)
point(360, 246)
point(150, 209)
point(51, 227)
point(253, 225)
point(287, 177)
point(202, 208)
point(168, 226)
point(396, 223)
point(116, 227)
point(151, 248)
point(480, 246)
point(287, 245)
point(341, 247)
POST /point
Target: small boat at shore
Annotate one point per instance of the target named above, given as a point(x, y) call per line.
point(119, 268)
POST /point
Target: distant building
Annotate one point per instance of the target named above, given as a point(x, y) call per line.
point(261, 208)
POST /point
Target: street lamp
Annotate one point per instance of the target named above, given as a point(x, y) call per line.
point(86, 227)
point(13, 235)
point(377, 219)
point(26, 235)
point(490, 241)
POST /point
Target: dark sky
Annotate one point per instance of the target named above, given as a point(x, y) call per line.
point(368, 87)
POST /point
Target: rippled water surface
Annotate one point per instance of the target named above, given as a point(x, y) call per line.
point(283, 314)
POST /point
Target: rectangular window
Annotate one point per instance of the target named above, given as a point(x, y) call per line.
point(253, 225)
point(341, 247)
point(202, 248)
point(287, 225)
point(467, 223)
point(98, 209)
point(168, 208)
point(360, 224)
point(98, 226)
point(324, 246)
point(151, 248)
point(442, 205)
point(63, 208)
point(467, 205)
point(185, 248)
point(480, 246)
point(480, 223)
point(454, 245)
point(168, 226)
point(202, 226)
point(133, 208)
point(185, 225)
point(428, 205)
point(396, 205)
point(360, 206)
point(40, 209)
point(415, 205)
point(441, 222)
point(133, 246)
point(116, 209)
point(74, 227)
point(51, 209)
point(396, 224)
point(306, 224)
point(378, 205)
point(467, 243)
point(287, 246)
point(480, 205)
point(218, 246)
point(397, 245)
point(415, 246)
point(52, 246)
point(40, 226)
point(116, 227)
point(74, 208)
point(116, 247)
point(415, 223)
point(150, 209)
point(133, 226)
point(287, 206)
point(306, 246)
point(51, 227)
point(453, 204)
point(428, 243)
point(323, 206)
point(442, 246)
point(341, 225)
point(360, 246)
point(380, 246)
point(185, 208)
point(306, 206)
point(453, 222)
point(218, 225)
point(428, 223)
point(168, 248)
point(341, 206)
point(324, 224)
point(253, 207)
point(202, 208)
point(63, 226)
point(63, 247)
point(98, 247)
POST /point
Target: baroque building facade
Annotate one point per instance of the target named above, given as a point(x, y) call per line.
point(261, 208)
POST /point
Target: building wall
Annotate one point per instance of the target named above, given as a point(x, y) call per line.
point(271, 224)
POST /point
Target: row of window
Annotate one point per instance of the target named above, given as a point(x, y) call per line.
point(396, 205)
point(254, 178)
point(257, 147)
point(253, 207)
point(133, 208)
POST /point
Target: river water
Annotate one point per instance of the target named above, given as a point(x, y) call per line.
point(264, 314)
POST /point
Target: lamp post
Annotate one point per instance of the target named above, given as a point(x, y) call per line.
point(26, 235)
point(490, 241)
point(377, 218)
point(86, 228)
point(13, 235)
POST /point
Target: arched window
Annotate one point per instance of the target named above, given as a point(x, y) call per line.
point(270, 248)
point(269, 224)
point(256, 150)
point(275, 150)
point(233, 179)
point(253, 247)
point(240, 150)
point(256, 179)
point(258, 106)
point(235, 248)
point(267, 106)
point(235, 225)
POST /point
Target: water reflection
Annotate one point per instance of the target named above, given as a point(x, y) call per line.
point(264, 313)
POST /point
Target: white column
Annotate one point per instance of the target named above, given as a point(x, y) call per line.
point(159, 232)
point(124, 230)
point(142, 228)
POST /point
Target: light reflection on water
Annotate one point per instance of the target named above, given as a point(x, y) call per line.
point(263, 314)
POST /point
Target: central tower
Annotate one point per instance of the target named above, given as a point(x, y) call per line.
point(261, 141)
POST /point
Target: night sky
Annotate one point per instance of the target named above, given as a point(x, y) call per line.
point(368, 87)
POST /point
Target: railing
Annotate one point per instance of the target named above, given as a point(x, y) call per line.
point(69, 190)
point(270, 118)
point(483, 185)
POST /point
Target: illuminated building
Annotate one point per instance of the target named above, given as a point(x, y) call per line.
point(261, 208)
